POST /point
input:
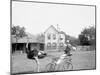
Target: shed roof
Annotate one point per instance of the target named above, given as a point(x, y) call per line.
point(30, 38)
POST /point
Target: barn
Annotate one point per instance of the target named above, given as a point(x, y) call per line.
point(20, 44)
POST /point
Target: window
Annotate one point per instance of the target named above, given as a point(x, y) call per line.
point(61, 44)
point(61, 38)
point(54, 44)
point(54, 36)
point(49, 44)
point(49, 36)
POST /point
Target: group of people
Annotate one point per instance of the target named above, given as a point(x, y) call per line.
point(33, 54)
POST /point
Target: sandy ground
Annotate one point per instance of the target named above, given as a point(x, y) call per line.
point(81, 60)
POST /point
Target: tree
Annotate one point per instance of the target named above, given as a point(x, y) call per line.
point(87, 36)
point(83, 40)
point(40, 37)
point(18, 32)
point(73, 41)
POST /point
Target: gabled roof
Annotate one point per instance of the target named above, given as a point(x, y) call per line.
point(51, 27)
point(61, 32)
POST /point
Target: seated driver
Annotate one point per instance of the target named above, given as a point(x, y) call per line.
point(66, 53)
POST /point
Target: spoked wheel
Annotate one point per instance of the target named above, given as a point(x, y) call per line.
point(50, 67)
point(60, 67)
point(67, 66)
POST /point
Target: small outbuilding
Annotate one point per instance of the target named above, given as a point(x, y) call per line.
point(20, 44)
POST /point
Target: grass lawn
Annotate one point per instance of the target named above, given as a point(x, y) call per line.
point(80, 60)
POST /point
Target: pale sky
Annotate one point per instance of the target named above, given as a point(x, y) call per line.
point(37, 17)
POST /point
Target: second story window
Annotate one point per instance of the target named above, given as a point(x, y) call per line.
point(60, 38)
point(54, 36)
point(49, 36)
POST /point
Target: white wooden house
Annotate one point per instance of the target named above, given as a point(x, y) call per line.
point(54, 39)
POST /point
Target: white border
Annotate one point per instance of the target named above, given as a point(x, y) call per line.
point(5, 37)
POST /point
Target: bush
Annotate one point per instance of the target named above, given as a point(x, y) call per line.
point(86, 48)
